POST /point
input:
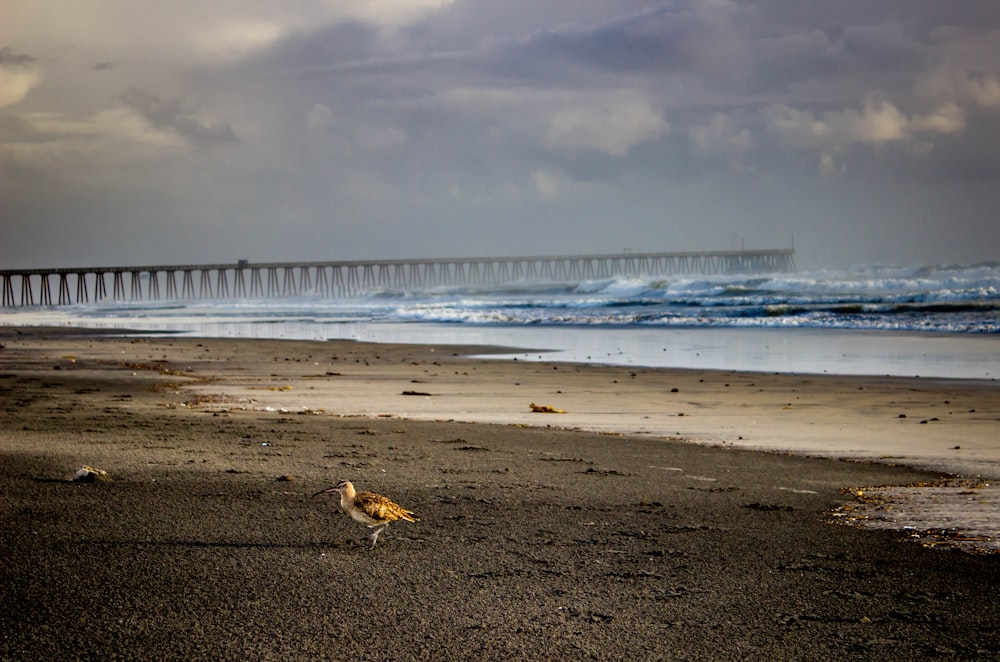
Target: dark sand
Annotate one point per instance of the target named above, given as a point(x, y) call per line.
point(534, 542)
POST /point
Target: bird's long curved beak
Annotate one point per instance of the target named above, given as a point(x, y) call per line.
point(325, 490)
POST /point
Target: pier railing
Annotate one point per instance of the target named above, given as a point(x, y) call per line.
point(51, 287)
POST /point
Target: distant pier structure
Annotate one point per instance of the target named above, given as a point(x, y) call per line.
point(243, 279)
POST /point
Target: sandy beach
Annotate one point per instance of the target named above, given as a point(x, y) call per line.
point(643, 523)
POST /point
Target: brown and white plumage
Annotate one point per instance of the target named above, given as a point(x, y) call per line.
point(373, 510)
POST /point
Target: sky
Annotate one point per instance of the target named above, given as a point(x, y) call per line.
point(164, 133)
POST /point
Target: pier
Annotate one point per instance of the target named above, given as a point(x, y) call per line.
point(243, 279)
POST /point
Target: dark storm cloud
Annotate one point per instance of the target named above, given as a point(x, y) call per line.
point(850, 59)
point(171, 115)
point(661, 39)
point(9, 58)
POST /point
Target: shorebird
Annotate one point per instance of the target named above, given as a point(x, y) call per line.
point(373, 510)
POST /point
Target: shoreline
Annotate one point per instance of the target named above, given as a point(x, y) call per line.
point(536, 538)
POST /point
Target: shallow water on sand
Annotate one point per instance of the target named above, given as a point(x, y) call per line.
point(791, 350)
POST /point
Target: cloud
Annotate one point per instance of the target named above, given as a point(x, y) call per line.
point(237, 38)
point(884, 46)
point(949, 86)
point(391, 13)
point(193, 32)
point(95, 148)
point(607, 123)
point(948, 118)
point(828, 166)
point(323, 49)
point(548, 183)
point(171, 115)
point(876, 123)
point(720, 136)
point(685, 37)
point(612, 128)
point(8, 58)
point(800, 49)
point(19, 73)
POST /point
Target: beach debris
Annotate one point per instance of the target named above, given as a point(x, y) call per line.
point(545, 409)
point(798, 491)
point(285, 479)
point(416, 393)
point(89, 474)
point(605, 472)
point(953, 512)
point(373, 510)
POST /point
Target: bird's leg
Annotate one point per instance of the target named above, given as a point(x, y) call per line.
point(374, 536)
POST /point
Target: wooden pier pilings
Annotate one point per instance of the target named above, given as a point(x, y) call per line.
point(58, 287)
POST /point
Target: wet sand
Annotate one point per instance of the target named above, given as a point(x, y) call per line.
point(538, 536)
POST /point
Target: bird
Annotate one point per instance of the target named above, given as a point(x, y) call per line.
point(373, 510)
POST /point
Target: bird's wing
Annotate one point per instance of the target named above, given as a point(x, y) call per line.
point(381, 508)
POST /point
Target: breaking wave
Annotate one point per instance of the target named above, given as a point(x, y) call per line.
point(943, 299)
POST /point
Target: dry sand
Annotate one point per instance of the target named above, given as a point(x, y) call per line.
point(538, 538)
